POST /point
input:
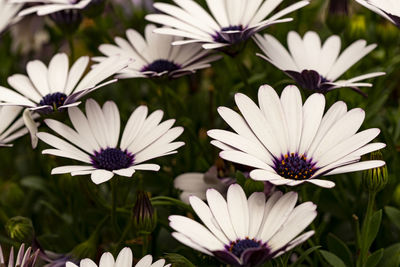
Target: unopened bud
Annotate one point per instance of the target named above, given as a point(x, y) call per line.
point(144, 215)
point(375, 179)
point(20, 229)
point(337, 16)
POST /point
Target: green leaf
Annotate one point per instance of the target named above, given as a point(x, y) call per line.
point(35, 183)
point(304, 255)
point(374, 258)
point(339, 248)
point(178, 260)
point(394, 215)
point(391, 256)
point(374, 227)
point(332, 259)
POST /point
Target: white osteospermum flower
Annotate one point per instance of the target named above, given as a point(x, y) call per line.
point(10, 128)
point(289, 143)
point(389, 9)
point(46, 7)
point(24, 258)
point(231, 22)
point(8, 13)
point(96, 136)
point(245, 232)
point(314, 66)
point(124, 259)
point(155, 56)
point(52, 88)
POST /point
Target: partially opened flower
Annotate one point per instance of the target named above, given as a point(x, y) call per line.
point(53, 88)
point(245, 232)
point(289, 143)
point(24, 258)
point(95, 141)
point(155, 56)
point(8, 13)
point(230, 22)
point(46, 7)
point(124, 259)
point(314, 66)
point(10, 127)
point(389, 9)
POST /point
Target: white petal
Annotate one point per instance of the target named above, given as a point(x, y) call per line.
point(101, 176)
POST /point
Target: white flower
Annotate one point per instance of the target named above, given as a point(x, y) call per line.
point(27, 259)
point(291, 143)
point(314, 66)
point(155, 56)
point(95, 141)
point(124, 259)
point(245, 232)
point(46, 7)
point(8, 13)
point(10, 128)
point(53, 88)
point(389, 9)
point(231, 22)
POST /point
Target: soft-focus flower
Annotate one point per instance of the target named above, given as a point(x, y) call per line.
point(230, 22)
point(10, 128)
point(46, 7)
point(155, 56)
point(24, 258)
point(245, 232)
point(52, 88)
point(8, 13)
point(291, 143)
point(124, 259)
point(314, 66)
point(389, 9)
point(95, 141)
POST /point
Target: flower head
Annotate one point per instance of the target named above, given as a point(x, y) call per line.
point(155, 56)
point(95, 141)
point(291, 143)
point(8, 13)
point(230, 22)
point(124, 259)
point(314, 66)
point(389, 9)
point(24, 258)
point(245, 232)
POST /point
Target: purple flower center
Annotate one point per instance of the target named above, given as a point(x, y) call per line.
point(112, 159)
point(220, 39)
point(294, 166)
point(161, 65)
point(239, 246)
point(54, 100)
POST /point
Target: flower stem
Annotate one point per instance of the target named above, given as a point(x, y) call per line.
point(365, 230)
point(114, 204)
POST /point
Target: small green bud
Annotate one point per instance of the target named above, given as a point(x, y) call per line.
point(358, 27)
point(86, 249)
point(144, 215)
point(20, 229)
point(337, 16)
point(375, 179)
point(251, 186)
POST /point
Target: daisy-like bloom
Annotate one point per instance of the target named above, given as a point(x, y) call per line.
point(124, 259)
point(8, 13)
point(231, 22)
point(24, 258)
point(53, 88)
point(245, 232)
point(389, 9)
point(95, 141)
point(291, 143)
point(314, 66)
point(10, 127)
point(155, 56)
point(46, 7)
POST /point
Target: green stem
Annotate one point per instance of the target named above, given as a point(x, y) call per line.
point(365, 229)
point(71, 46)
point(114, 204)
point(145, 244)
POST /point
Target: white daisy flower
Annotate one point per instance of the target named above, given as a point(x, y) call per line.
point(24, 258)
point(245, 232)
point(230, 22)
point(314, 66)
point(154, 56)
point(289, 143)
point(95, 141)
point(389, 9)
point(46, 7)
point(124, 259)
point(53, 88)
point(8, 13)
point(10, 128)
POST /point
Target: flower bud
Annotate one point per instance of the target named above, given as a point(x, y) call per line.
point(358, 27)
point(375, 179)
point(144, 215)
point(86, 249)
point(20, 229)
point(337, 16)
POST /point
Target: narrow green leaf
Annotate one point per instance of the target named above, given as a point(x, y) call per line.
point(391, 256)
point(374, 258)
point(178, 260)
point(374, 227)
point(394, 215)
point(304, 255)
point(338, 247)
point(332, 259)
